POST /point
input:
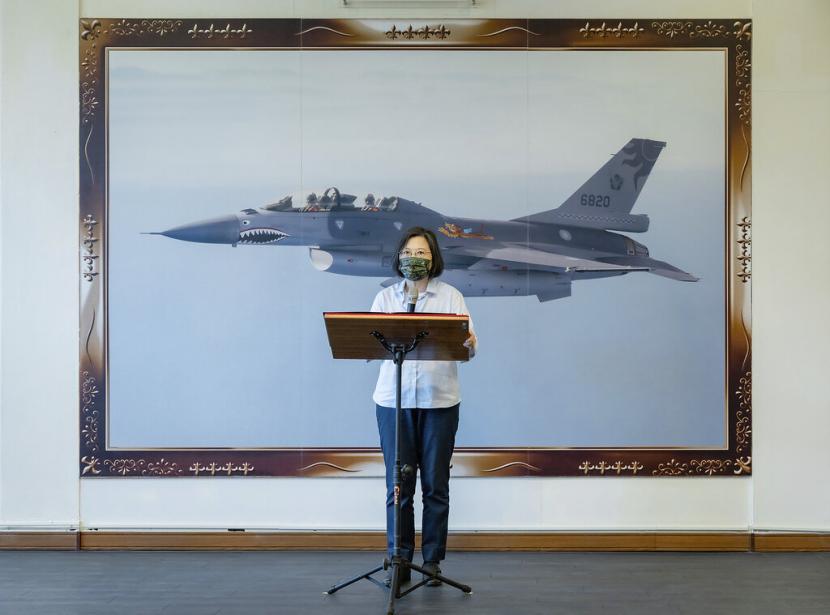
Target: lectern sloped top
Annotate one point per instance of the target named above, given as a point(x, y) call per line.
point(351, 335)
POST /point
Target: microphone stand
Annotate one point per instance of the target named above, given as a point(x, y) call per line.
point(412, 297)
point(397, 562)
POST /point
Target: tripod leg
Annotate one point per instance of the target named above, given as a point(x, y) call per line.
point(394, 589)
point(465, 588)
point(365, 575)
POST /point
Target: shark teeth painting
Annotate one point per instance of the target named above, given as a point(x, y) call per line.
point(261, 236)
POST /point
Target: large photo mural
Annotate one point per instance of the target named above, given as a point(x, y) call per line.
point(587, 186)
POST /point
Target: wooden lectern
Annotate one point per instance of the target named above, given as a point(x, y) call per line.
point(421, 336)
point(352, 335)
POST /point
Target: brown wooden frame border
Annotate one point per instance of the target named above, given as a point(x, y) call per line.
point(96, 35)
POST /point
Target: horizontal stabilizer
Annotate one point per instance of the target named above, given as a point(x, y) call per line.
point(560, 291)
point(531, 258)
point(654, 266)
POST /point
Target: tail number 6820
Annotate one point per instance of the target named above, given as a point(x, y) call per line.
point(595, 200)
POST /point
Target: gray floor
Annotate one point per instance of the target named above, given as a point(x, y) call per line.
point(184, 583)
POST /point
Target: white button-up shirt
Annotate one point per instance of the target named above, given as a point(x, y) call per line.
point(424, 384)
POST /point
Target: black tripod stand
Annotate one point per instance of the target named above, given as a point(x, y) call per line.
point(397, 562)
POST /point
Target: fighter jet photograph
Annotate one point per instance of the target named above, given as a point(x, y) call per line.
point(540, 254)
point(552, 175)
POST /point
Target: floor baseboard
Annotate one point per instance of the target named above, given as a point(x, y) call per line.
point(47, 540)
point(790, 541)
point(375, 541)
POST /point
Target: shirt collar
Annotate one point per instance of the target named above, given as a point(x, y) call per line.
point(432, 287)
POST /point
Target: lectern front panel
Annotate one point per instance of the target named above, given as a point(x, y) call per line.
point(351, 335)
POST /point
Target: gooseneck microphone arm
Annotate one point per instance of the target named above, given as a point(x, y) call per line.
point(412, 297)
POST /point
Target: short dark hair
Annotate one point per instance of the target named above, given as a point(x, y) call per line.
point(436, 267)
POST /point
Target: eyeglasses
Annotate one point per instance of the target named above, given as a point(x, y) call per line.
point(416, 253)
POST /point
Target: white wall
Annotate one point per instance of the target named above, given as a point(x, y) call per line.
point(39, 257)
point(791, 264)
point(2, 183)
point(39, 449)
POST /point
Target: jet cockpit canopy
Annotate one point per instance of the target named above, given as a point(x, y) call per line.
point(332, 199)
point(284, 204)
point(387, 203)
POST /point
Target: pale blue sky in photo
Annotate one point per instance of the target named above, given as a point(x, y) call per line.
point(217, 346)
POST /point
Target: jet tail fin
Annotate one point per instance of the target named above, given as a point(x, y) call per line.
point(605, 201)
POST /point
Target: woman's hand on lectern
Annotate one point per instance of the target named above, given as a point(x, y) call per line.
point(470, 343)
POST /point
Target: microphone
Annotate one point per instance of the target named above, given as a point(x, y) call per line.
point(412, 298)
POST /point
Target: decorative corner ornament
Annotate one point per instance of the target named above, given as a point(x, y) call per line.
point(743, 465)
point(90, 30)
point(742, 31)
point(90, 465)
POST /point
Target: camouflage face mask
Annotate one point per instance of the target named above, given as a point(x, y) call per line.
point(414, 268)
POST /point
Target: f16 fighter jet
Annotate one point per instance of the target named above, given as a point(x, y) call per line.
point(540, 254)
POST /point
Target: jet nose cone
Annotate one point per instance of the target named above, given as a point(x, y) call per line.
point(224, 229)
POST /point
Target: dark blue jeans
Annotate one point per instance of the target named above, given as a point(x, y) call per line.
point(427, 442)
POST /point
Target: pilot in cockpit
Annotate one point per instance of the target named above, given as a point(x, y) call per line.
point(311, 203)
point(369, 203)
point(326, 202)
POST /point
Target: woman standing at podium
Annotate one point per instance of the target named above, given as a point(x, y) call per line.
point(429, 401)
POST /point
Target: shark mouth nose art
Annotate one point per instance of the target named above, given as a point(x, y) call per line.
point(261, 236)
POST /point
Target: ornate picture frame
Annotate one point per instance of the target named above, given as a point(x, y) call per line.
point(732, 36)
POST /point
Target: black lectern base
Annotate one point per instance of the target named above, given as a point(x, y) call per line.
point(398, 565)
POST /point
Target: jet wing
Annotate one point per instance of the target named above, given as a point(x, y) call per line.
point(513, 254)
